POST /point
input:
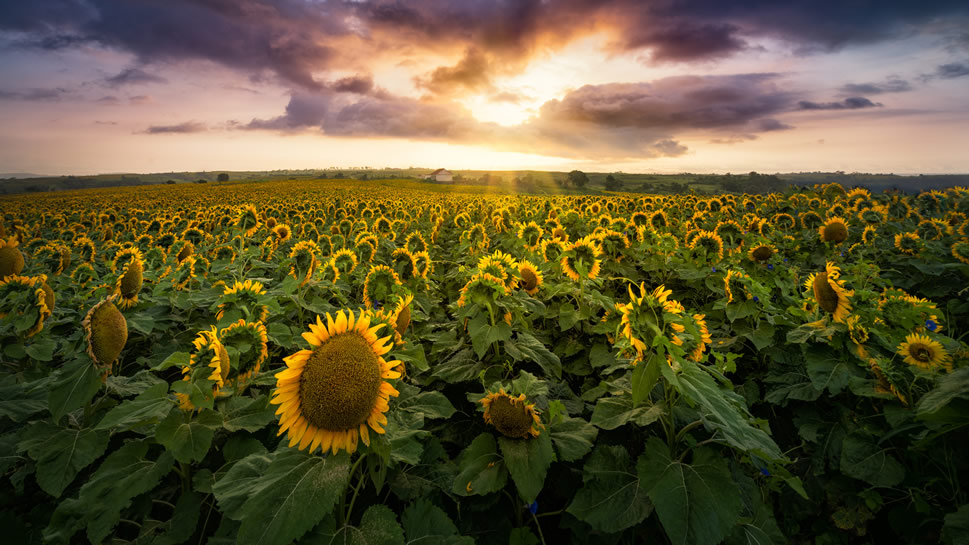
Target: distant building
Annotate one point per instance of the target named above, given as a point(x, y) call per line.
point(441, 176)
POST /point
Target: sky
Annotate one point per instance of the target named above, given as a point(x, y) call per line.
point(100, 86)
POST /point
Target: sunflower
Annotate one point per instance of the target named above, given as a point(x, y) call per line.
point(476, 237)
point(244, 297)
point(106, 332)
point(960, 251)
point(709, 241)
point(345, 260)
point(11, 258)
point(404, 264)
point(209, 361)
point(513, 417)
point(761, 252)
point(858, 335)
point(33, 295)
point(640, 316)
point(185, 250)
point(380, 283)
point(531, 235)
point(130, 281)
point(282, 232)
point(329, 271)
point(581, 259)
point(924, 353)
point(424, 265)
point(834, 230)
point(908, 243)
point(531, 277)
point(483, 289)
point(734, 287)
point(304, 256)
point(82, 274)
point(250, 341)
point(829, 292)
point(401, 316)
point(415, 242)
point(334, 394)
point(658, 220)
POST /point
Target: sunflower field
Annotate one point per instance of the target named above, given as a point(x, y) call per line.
point(391, 363)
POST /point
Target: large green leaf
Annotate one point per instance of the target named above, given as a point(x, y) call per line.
point(245, 413)
point(481, 468)
point(75, 385)
point(826, 370)
point(19, 401)
point(955, 531)
point(952, 386)
point(188, 435)
point(527, 461)
point(863, 459)
point(148, 408)
point(182, 524)
point(573, 438)
point(61, 453)
point(527, 347)
point(378, 526)
point(611, 498)
point(281, 495)
point(426, 524)
point(697, 503)
point(612, 412)
point(428, 405)
point(124, 474)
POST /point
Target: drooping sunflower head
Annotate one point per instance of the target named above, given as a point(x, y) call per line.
point(247, 220)
point(482, 289)
point(403, 262)
point(707, 245)
point(305, 258)
point(811, 220)
point(531, 235)
point(380, 284)
point(185, 249)
point(27, 302)
point(581, 259)
point(11, 258)
point(332, 395)
point(613, 243)
point(647, 315)
point(249, 342)
point(129, 282)
point(552, 250)
point(208, 361)
point(835, 230)
point(924, 352)
point(856, 331)
point(531, 277)
point(830, 293)
point(658, 220)
point(244, 300)
point(735, 286)
point(908, 243)
point(960, 251)
point(106, 332)
point(424, 265)
point(415, 242)
point(513, 417)
point(692, 335)
point(345, 260)
point(476, 237)
point(761, 252)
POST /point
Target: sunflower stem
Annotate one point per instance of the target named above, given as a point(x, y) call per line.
point(344, 513)
point(538, 526)
point(353, 499)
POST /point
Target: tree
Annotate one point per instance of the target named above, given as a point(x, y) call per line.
point(223, 177)
point(613, 183)
point(578, 178)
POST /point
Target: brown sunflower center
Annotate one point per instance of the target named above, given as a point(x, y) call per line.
point(511, 419)
point(835, 232)
point(827, 298)
point(762, 253)
point(921, 353)
point(529, 279)
point(340, 383)
point(109, 333)
point(131, 282)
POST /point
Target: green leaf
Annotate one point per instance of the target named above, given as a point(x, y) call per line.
point(187, 435)
point(148, 408)
point(601, 356)
point(527, 460)
point(377, 527)
point(281, 495)
point(124, 474)
point(41, 349)
point(697, 503)
point(61, 453)
point(426, 524)
point(19, 401)
point(612, 412)
point(644, 377)
point(955, 531)
point(533, 350)
point(133, 385)
point(482, 470)
point(954, 385)
point(199, 392)
point(863, 459)
point(245, 413)
point(177, 359)
point(522, 536)
point(142, 323)
point(429, 405)
point(461, 367)
point(75, 385)
point(611, 498)
point(827, 370)
point(183, 522)
point(573, 438)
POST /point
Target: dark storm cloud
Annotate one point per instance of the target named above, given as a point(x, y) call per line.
point(133, 76)
point(295, 39)
point(891, 85)
point(851, 103)
point(181, 128)
point(952, 70)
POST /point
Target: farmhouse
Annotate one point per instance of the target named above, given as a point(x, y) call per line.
point(440, 175)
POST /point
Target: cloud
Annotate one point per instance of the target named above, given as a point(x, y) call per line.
point(685, 41)
point(890, 85)
point(182, 128)
point(470, 73)
point(510, 97)
point(108, 100)
point(611, 120)
point(850, 103)
point(139, 100)
point(952, 70)
point(35, 94)
point(133, 76)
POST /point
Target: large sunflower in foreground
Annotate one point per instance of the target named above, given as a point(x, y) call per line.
point(923, 352)
point(830, 292)
point(334, 394)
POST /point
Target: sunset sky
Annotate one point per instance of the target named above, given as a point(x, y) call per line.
point(94, 86)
